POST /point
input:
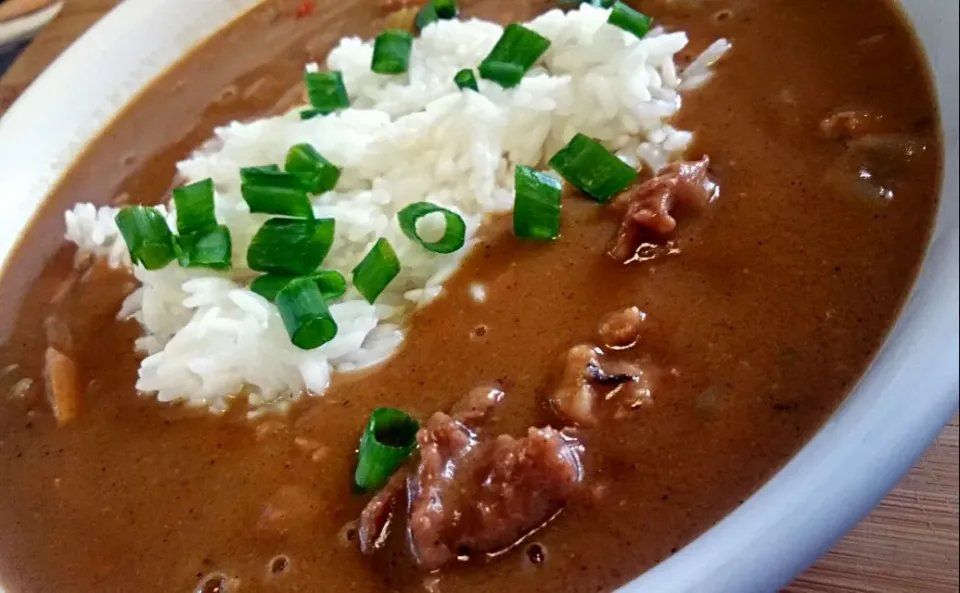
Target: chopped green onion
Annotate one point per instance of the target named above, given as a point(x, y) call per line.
point(285, 201)
point(315, 172)
point(426, 16)
point(210, 248)
point(391, 52)
point(629, 20)
point(268, 190)
point(590, 167)
point(446, 9)
point(331, 283)
point(453, 234)
point(435, 10)
point(572, 4)
point(147, 236)
point(388, 440)
point(195, 207)
point(305, 314)
point(262, 175)
point(376, 270)
point(306, 114)
point(466, 80)
point(326, 91)
point(291, 246)
point(536, 207)
point(514, 53)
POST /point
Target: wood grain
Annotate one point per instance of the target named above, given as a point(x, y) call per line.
point(909, 544)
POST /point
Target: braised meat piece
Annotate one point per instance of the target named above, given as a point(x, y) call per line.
point(621, 329)
point(589, 381)
point(650, 205)
point(470, 494)
point(373, 527)
point(63, 385)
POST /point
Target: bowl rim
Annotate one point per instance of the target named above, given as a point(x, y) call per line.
point(891, 416)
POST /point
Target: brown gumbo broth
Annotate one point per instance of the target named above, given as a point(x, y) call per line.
point(760, 318)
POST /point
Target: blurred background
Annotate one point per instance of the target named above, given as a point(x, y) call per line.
point(20, 21)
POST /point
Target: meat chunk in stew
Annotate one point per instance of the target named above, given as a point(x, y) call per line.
point(588, 381)
point(469, 494)
point(63, 385)
point(650, 206)
point(622, 328)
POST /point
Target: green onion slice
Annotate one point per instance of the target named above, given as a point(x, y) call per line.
point(391, 52)
point(388, 440)
point(426, 16)
point(210, 248)
point(466, 80)
point(305, 314)
point(306, 114)
point(147, 236)
point(316, 173)
point(590, 167)
point(331, 283)
point(291, 246)
point(435, 10)
point(514, 53)
point(195, 207)
point(262, 175)
point(629, 20)
point(326, 91)
point(268, 190)
point(536, 207)
point(284, 201)
point(376, 270)
point(446, 9)
point(573, 4)
point(453, 234)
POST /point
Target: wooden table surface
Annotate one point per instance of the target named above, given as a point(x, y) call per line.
point(909, 544)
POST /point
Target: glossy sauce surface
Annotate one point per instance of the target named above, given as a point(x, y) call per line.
point(761, 322)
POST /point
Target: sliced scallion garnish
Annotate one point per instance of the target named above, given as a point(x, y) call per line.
point(305, 314)
point(210, 248)
point(446, 9)
point(427, 15)
point(629, 20)
point(391, 52)
point(514, 53)
point(285, 201)
point(290, 246)
point(435, 10)
point(147, 236)
point(306, 114)
point(268, 190)
point(195, 207)
point(315, 172)
point(592, 169)
point(465, 79)
point(536, 207)
point(260, 175)
point(388, 440)
point(376, 270)
point(331, 283)
point(326, 91)
point(453, 233)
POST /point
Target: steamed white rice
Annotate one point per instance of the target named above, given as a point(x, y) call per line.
point(404, 139)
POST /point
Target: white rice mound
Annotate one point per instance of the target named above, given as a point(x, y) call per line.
point(406, 138)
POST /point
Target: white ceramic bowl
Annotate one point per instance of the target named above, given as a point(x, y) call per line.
point(895, 412)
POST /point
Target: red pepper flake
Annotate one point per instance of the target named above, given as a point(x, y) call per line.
point(306, 8)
